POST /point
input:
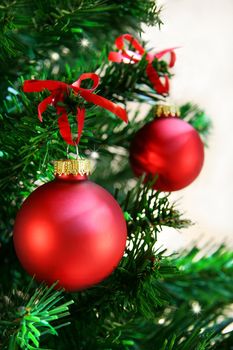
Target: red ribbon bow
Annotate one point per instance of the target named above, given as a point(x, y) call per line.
point(128, 56)
point(59, 90)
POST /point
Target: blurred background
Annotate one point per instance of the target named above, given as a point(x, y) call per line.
point(203, 75)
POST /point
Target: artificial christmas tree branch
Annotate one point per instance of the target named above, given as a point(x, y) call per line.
point(31, 320)
point(151, 301)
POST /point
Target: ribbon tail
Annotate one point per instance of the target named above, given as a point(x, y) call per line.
point(155, 79)
point(64, 126)
point(162, 88)
point(43, 106)
point(173, 59)
point(172, 53)
point(80, 120)
point(103, 102)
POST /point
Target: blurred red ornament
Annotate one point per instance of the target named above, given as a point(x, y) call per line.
point(70, 230)
point(169, 147)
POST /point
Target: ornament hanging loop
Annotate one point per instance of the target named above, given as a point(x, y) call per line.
point(77, 151)
point(67, 151)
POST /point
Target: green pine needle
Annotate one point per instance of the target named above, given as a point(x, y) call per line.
point(36, 318)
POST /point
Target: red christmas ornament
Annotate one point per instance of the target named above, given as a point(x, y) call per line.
point(70, 230)
point(169, 147)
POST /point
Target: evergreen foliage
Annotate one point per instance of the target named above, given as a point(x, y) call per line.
point(151, 301)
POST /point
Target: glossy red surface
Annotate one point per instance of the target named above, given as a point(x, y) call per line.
point(71, 231)
point(170, 148)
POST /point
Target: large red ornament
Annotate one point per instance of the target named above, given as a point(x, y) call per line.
point(170, 148)
point(70, 230)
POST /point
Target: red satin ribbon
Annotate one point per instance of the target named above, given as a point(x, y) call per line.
point(59, 90)
point(128, 56)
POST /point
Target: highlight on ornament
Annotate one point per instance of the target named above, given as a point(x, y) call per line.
point(167, 147)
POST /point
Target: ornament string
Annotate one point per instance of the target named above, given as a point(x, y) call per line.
point(160, 84)
point(59, 90)
point(76, 154)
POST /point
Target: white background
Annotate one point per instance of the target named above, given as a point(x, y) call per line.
point(203, 75)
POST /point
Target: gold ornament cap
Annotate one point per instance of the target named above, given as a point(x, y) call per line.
point(167, 111)
point(80, 166)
